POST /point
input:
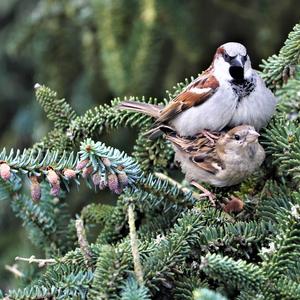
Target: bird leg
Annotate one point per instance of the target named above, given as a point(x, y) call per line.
point(209, 135)
point(211, 196)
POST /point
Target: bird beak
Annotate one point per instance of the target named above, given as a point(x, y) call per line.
point(252, 136)
point(236, 68)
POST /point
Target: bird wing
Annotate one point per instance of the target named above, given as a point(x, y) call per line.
point(196, 93)
point(200, 149)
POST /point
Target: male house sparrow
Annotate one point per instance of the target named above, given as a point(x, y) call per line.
point(220, 159)
point(229, 93)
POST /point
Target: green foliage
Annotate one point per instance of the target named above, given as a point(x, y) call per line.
point(277, 67)
point(132, 291)
point(47, 223)
point(237, 274)
point(206, 294)
point(129, 57)
point(187, 249)
point(63, 285)
point(97, 213)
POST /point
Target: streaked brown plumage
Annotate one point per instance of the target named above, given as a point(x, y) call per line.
point(220, 159)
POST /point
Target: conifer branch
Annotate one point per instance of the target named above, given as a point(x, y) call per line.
point(277, 67)
point(177, 184)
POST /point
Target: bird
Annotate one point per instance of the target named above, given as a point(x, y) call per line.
point(220, 159)
point(229, 93)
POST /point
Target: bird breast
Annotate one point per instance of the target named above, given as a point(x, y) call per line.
point(256, 108)
point(214, 114)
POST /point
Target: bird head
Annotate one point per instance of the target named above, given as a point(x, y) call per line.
point(239, 137)
point(232, 63)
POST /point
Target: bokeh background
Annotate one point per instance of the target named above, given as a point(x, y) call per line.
point(91, 51)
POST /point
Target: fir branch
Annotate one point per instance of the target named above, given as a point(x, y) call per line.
point(61, 285)
point(58, 110)
point(282, 140)
point(186, 284)
point(289, 96)
point(172, 251)
point(286, 243)
point(233, 273)
point(38, 222)
point(176, 184)
point(152, 155)
point(105, 166)
point(287, 288)
point(241, 239)
point(96, 213)
point(132, 291)
point(109, 273)
point(171, 192)
point(106, 116)
point(289, 55)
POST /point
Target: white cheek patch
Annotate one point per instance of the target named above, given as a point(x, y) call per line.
point(199, 91)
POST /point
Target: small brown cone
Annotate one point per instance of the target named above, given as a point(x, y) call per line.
point(5, 171)
point(53, 178)
point(35, 189)
point(113, 183)
point(81, 164)
point(87, 171)
point(96, 178)
point(106, 161)
point(69, 173)
point(55, 190)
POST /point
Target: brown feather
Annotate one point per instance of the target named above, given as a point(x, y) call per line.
point(200, 149)
point(145, 108)
point(189, 98)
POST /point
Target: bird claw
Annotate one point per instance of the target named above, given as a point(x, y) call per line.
point(209, 135)
point(206, 193)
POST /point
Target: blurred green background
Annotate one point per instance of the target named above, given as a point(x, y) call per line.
point(90, 51)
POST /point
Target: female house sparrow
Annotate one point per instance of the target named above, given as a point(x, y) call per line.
point(222, 159)
point(229, 93)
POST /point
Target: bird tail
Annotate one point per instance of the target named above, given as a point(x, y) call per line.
point(156, 132)
point(144, 108)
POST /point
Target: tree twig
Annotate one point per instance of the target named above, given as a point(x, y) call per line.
point(177, 184)
point(83, 243)
point(134, 246)
point(39, 261)
point(14, 269)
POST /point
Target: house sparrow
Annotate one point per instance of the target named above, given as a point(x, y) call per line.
point(229, 93)
point(220, 159)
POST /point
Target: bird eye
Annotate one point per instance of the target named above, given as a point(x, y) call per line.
point(237, 137)
point(244, 58)
point(227, 57)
